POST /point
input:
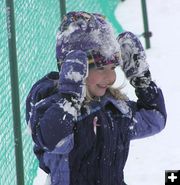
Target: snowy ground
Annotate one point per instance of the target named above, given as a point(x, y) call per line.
point(150, 157)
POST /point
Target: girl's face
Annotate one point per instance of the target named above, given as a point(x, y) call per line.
point(99, 79)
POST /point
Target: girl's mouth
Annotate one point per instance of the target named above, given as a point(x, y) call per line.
point(102, 86)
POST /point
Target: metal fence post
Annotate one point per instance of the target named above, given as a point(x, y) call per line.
point(147, 34)
point(15, 91)
point(62, 8)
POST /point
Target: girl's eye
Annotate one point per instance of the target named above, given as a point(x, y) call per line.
point(100, 68)
point(103, 68)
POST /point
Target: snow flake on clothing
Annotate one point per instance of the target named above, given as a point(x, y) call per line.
point(124, 108)
point(72, 75)
point(68, 107)
point(121, 105)
point(103, 39)
point(107, 42)
point(65, 145)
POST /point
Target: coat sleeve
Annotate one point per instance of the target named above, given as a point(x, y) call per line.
point(149, 112)
point(50, 117)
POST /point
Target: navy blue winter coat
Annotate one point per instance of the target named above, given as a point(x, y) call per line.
point(90, 148)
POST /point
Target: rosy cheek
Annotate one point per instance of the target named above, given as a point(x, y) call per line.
point(92, 78)
point(92, 81)
point(91, 84)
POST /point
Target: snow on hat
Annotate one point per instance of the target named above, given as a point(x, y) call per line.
point(89, 32)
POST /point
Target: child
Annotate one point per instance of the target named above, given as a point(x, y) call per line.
point(80, 124)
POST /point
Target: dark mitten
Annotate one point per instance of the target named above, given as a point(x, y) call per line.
point(134, 64)
point(73, 73)
point(147, 95)
point(142, 81)
point(151, 98)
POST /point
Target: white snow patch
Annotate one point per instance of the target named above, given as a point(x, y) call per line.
point(76, 76)
point(67, 107)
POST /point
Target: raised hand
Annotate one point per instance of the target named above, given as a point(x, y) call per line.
point(73, 73)
point(134, 63)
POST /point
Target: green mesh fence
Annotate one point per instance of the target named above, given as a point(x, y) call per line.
point(36, 25)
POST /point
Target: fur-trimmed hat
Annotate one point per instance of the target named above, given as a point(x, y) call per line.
point(89, 32)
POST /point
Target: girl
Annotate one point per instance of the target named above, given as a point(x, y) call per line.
point(81, 125)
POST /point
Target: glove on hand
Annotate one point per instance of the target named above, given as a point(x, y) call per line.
point(134, 63)
point(73, 73)
point(142, 81)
